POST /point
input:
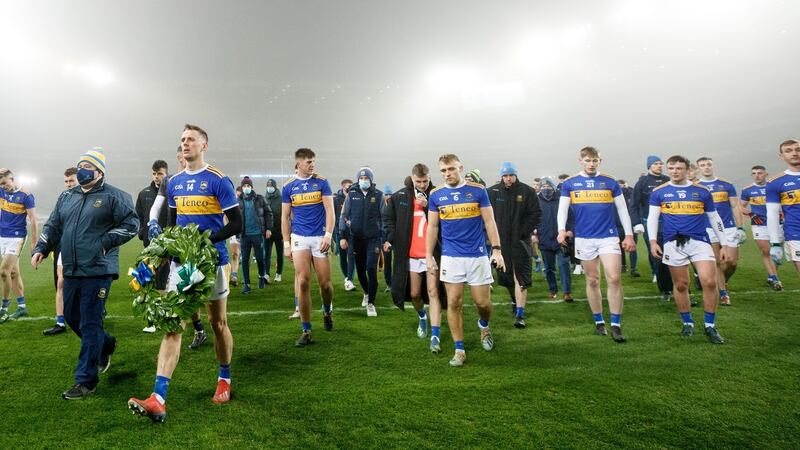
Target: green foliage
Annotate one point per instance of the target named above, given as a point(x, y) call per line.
point(197, 253)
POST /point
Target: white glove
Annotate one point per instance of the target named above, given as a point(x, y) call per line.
point(740, 235)
point(638, 229)
point(776, 253)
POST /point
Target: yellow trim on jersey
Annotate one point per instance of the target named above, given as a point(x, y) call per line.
point(11, 207)
point(682, 208)
point(591, 196)
point(197, 204)
point(660, 186)
point(306, 198)
point(474, 184)
point(215, 171)
point(775, 177)
point(790, 197)
point(289, 181)
point(460, 211)
point(720, 196)
point(761, 200)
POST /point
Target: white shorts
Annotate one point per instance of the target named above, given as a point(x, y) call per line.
point(220, 289)
point(233, 240)
point(730, 234)
point(587, 249)
point(11, 245)
point(417, 265)
point(761, 233)
point(692, 251)
point(59, 262)
point(475, 271)
point(300, 243)
point(791, 250)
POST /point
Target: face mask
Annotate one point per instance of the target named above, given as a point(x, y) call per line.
point(547, 194)
point(364, 184)
point(85, 176)
point(247, 190)
point(270, 189)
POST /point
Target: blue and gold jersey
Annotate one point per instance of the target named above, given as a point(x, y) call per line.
point(683, 210)
point(722, 192)
point(202, 197)
point(14, 212)
point(305, 196)
point(459, 211)
point(757, 197)
point(785, 190)
point(592, 200)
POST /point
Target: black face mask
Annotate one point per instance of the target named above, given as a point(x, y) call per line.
point(547, 194)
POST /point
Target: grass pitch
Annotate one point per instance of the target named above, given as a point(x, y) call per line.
point(371, 383)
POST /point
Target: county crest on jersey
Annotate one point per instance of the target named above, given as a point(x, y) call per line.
point(722, 192)
point(592, 200)
point(202, 197)
point(785, 191)
point(460, 218)
point(305, 196)
point(14, 208)
point(756, 196)
point(683, 210)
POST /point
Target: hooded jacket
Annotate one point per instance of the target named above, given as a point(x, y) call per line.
point(361, 214)
point(640, 205)
point(547, 231)
point(275, 204)
point(90, 227)
point(263, 212)
point(144, 201)
point(517, 214)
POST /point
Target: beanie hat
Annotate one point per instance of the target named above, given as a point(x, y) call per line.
point(366, 172)
point(652, 159)
point(508, 168)
point(475, 174)
point(246, 180)
point(387, 189)
point(548, 181)
point(95, 157)
point(272, 182)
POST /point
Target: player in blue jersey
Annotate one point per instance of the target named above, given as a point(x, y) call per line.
point(728, 208)
point(685, 209)
point(307, 220)
point(202, 195)
point(462, 209)
point(783, 197)
point(17, 207)
point(596, 201)
point(754, 205)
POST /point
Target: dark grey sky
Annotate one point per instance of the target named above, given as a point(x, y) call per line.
point(392, 83)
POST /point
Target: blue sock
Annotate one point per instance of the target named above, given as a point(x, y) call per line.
point(598, 318)
point(21, 301)
point(60, 320)
point(295, 302)
point(326, 308)
point(723, 292)
point(459, 345)
point(161, 387)
point(520, 311)
point(306, 326)
point(225, 372)
point(434, 331)
point(686, 317)
point(615, 319)
point(198, 325)
point(5, 303)
point(483, 323)
point(708, 318)
point(773, 277)
point(421, 314)
point(234, 274)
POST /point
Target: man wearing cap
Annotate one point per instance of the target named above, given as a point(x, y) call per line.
point(89, 222)
point(639, 211)
point(517, 214)
point(362, 229)
point(257, 219)
point(273, 198)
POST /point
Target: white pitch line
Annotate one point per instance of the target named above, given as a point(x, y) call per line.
point(387, 308)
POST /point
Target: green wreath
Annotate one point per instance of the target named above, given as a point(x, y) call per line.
point(197, 273)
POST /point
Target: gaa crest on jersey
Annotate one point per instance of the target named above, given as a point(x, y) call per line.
point(203, 185)
point(469, 196)
point(695, 195)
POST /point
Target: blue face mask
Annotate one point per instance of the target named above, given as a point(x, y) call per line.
point(270, 189)
point(364, 184)
point(85, 176)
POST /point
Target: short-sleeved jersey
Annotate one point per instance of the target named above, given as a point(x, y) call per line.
point(722, 192)
point(756, 196)
point(592, 200)
point(460, 218)
point(785, 191)
point(14, 212)
point(419, 232)
point(305, 196)
point(202, 197)
point(683, 210)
